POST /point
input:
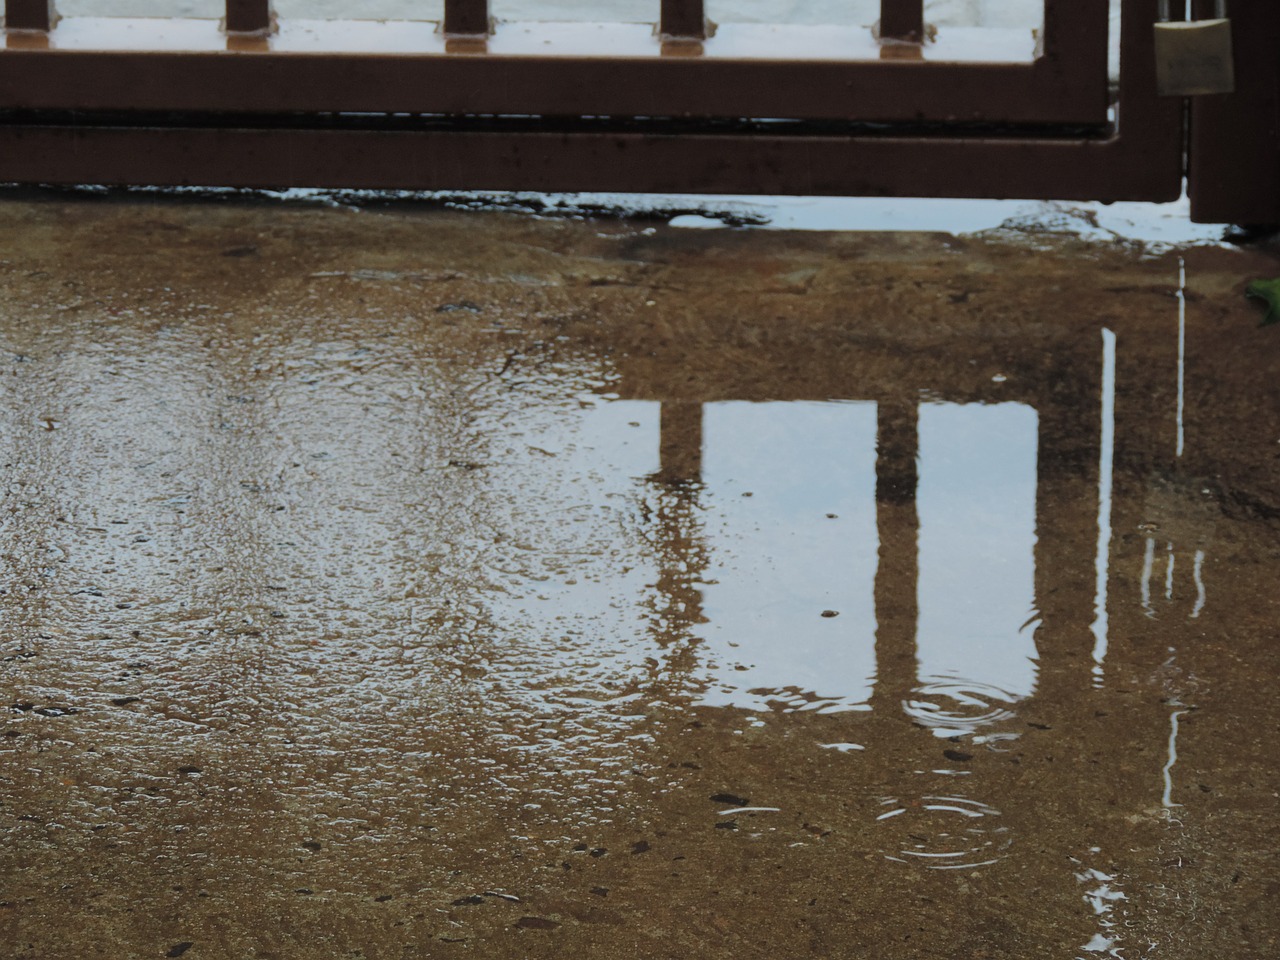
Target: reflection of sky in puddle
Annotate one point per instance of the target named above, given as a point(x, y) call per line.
point(565, 592)
point(977, 507)
point(787, 520)
point(791, 531)
point(774, 472)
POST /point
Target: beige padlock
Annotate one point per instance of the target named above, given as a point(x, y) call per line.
point(1193, 57)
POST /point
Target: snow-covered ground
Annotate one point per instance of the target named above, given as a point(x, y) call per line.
point(1004, 15)
point(943, 13)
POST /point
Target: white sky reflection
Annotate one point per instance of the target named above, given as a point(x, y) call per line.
point(977, 508)
point(778, 561)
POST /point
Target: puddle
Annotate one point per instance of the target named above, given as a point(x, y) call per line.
point(977, 509)
point(600, 614)
point(789, 520)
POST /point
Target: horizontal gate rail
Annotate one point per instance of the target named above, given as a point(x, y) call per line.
point(744, 70)
point(1139, 159)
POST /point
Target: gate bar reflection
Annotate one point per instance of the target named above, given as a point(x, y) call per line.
point(898, 569)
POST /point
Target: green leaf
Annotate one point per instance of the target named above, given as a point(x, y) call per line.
point(1268, 291)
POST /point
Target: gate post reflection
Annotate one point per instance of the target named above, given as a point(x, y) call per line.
point(898, 525)
point(680, 441)
point(682, 555)
point(1066, 522)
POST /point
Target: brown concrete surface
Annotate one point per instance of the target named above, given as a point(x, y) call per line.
point(346, 613)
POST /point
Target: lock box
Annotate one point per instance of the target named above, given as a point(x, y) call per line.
point(1194, 58)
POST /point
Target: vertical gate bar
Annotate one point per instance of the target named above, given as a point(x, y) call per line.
point(248, 16)
point(902, 20)
point(466, 18)
point(30, 14)
point(1071, 35)
point(1233, 157)
point(683, 20)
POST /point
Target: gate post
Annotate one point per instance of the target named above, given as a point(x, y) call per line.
point(1233, 156)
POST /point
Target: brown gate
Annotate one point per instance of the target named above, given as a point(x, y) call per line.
point(676, 106)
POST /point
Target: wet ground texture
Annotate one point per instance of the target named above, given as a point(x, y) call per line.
point(413, 583)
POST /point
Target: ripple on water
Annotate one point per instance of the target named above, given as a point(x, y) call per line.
point(943, 833)
point(951, 706)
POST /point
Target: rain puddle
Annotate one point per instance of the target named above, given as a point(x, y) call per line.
point(368, 605)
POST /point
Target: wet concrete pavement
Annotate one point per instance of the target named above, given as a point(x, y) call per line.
point(417, 583)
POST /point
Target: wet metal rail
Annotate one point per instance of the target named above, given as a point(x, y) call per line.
point(257, 100)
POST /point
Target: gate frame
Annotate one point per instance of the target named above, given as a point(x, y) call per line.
point(1233, 162)
point(542, 69)
point(1140, 156)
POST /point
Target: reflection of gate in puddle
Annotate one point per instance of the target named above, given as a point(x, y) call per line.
point(976, 532)
point(947, 513)
point(880, 551)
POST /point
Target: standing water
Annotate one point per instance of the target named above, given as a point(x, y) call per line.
point(415, 583)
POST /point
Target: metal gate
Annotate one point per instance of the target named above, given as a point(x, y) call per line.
point(676, 106)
